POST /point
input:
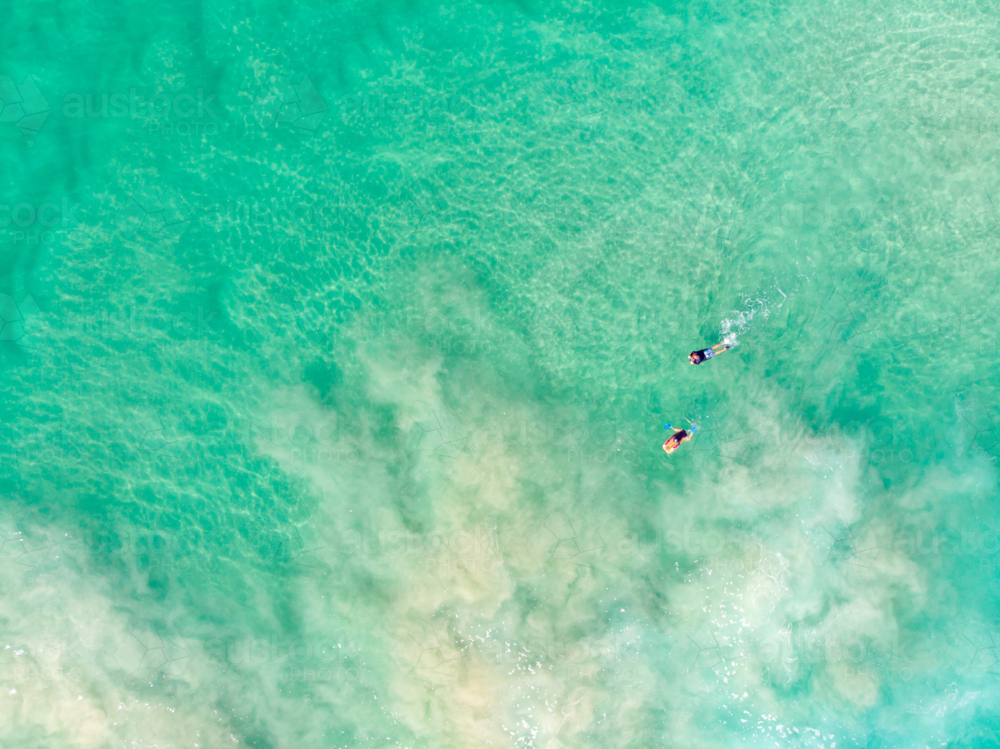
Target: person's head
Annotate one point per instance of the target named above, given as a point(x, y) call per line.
point(696, 357)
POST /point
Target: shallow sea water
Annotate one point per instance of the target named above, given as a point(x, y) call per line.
point(338, 346)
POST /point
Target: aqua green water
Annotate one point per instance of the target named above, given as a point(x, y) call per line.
point(334, 380)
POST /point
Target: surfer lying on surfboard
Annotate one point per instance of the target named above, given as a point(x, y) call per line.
point(679, 436)
point(697, 357)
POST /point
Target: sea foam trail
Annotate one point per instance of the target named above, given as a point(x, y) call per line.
point(740, 321)
point(758, 306)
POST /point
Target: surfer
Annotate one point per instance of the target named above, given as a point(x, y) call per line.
point(679, 436)
point(697, 357)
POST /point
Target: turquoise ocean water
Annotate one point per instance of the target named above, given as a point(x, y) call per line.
point(339, 340)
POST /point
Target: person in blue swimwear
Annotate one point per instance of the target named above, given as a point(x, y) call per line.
point(697, 357)
point(679, 436)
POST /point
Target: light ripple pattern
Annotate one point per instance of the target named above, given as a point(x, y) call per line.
point(338, 339)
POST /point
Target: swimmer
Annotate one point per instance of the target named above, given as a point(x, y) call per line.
point(679, 436)
point(697, 357)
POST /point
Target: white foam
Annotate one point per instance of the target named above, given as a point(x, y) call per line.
point(71, 670)
point(758, 306)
